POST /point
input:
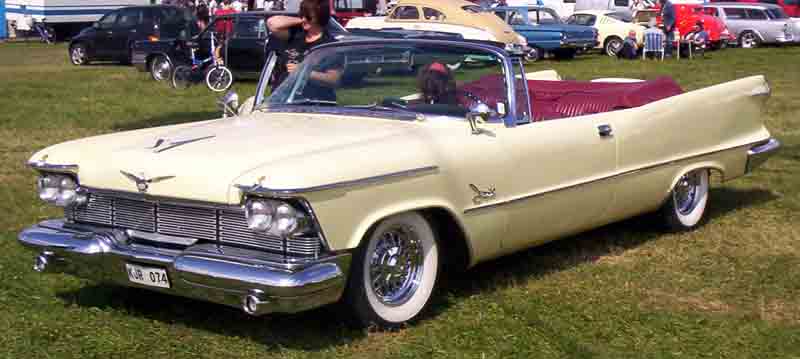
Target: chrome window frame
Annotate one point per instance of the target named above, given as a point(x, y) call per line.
point(509, 120)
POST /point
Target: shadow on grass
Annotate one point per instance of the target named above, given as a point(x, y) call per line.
point(326, 327)
point(173, 118)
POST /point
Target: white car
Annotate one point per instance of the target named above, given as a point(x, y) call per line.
point(612, 27)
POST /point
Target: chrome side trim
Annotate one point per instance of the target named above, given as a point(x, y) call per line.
point(259, 190)
point(604, 178)
point(49, 167)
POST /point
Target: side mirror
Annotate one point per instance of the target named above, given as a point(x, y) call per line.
point(479, 113)
point(229, 104)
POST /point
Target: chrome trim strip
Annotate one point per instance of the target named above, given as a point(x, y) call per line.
point(259, 190)
point(161, 238)
point(605, 178)
point(49, 167)
point(137, 196)
point(759, 153)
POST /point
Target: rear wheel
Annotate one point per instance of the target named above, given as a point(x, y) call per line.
point(394, 271)
point(749, 40)
point(160, 68)
point(181, 77)
point(612, 46)
point(78, 55)
point(686, 205)
point(219, 78)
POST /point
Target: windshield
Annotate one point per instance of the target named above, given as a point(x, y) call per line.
point(777, 13)
point(621, 16)
point(404, 80)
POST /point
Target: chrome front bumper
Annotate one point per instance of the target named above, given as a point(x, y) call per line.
point(759, 153)
point(256, 282)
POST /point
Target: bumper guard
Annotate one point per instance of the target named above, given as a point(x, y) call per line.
point(759, 153)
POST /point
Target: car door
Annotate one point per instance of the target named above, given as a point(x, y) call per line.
point(102, 35)
point(736, 19)
point(761, 22)
point(125, 28)
point(246, 47)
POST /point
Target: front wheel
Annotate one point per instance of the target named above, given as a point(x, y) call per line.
point(181, 77)
point(749, 40)
point(219, 78)
point(686, 205)
point(78, 55)
point(533, 55)
point(394, 271)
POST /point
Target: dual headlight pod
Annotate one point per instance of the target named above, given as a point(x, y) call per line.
point(274, 217)
point(60, 190)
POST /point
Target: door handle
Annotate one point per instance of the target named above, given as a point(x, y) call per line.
point(605, 131)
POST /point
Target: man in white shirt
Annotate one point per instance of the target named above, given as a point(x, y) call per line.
point(237, 5)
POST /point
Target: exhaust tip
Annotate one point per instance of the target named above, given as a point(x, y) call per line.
point(41, 262)
point(252, 304)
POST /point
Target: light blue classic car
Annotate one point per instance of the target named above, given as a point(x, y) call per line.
point(546, 33)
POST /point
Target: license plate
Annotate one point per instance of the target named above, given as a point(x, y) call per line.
point(154, 277)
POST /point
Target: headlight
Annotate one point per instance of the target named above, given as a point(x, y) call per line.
point(274, 217)
point(60, 190)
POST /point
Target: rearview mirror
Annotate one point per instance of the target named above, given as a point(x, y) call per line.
point(229, 104)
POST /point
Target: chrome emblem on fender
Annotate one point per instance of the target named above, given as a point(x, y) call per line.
point(142, 182)
point(480, 195)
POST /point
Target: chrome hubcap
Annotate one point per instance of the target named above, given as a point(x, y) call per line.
point(747, 41)
point(613, 47)
point(161, 69)
point(395, 266)
point(685, 193)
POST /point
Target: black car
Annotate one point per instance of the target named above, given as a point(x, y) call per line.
point(112, 37)
point(244, 54)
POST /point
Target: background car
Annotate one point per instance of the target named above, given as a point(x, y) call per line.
point(113, 36)
point(754, 24)
point(546, 33)
point(453, 16)
point(790, 7)
point(612, 27)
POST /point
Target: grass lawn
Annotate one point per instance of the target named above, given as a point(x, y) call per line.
point(728, 290)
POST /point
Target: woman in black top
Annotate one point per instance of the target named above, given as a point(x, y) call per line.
point(301, 34)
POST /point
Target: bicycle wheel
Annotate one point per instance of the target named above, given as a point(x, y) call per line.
point(219, 78)
point(181, 77)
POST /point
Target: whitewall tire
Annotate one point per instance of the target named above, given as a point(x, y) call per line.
point(685, 208)
point(394, 271)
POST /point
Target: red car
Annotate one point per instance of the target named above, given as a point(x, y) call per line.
point(688, 14)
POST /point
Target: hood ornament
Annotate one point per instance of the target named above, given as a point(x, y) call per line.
point(163, 144)
point(142, 182)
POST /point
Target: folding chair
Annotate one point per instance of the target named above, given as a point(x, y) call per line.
point(653, 42)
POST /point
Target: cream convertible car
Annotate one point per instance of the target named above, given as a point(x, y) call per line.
point(323, 192)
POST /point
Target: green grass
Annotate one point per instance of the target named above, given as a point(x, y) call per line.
point(728, 290)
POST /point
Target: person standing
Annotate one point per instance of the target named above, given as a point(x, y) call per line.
point(301, 35)
point(668, 18)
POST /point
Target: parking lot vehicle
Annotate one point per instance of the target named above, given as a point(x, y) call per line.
point(546, 33)
point(61, 18)
point(790, 7)
point(454, 16)
point(286, 207)
point(755, 24)
point(612, 28)
point(113, 36)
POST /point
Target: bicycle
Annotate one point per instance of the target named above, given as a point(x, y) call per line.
point(35, 27)
point(218, 78)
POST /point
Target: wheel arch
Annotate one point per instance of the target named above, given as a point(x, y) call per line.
point(715, 170)
point(442, 217)
point(753, 30)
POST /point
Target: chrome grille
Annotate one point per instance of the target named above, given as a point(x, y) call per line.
point(207, 224)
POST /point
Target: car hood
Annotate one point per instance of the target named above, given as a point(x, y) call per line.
point(206, 161)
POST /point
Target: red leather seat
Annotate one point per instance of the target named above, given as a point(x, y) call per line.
point(561, 99)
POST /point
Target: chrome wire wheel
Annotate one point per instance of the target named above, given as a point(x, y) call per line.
point(77, 54)
point(396, 265)
point(685, 208)
point(394, 271)
point(685, 193)
point(160, 68)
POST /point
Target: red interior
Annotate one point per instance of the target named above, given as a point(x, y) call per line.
point(552, 100)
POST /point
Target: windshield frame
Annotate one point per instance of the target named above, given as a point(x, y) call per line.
point(509, 120)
